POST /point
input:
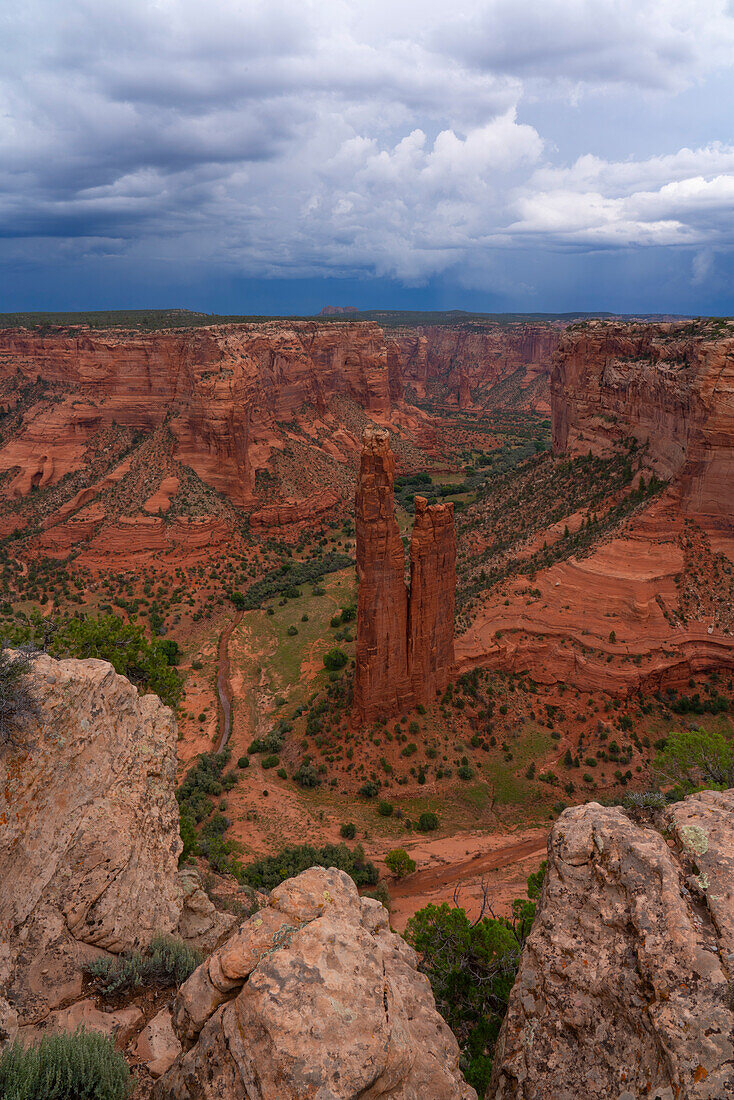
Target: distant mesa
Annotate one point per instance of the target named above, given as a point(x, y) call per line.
point(337, 311)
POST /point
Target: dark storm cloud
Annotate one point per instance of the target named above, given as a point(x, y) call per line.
point(342, 137)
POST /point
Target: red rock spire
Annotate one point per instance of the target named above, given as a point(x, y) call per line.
point(405, 638)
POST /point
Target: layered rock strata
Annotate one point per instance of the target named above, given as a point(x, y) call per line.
point(313, 996)
point(381, 680)
point(668, 386)
point(469, 360)
point(222, 390)
point(405, 635)
point(624, 989)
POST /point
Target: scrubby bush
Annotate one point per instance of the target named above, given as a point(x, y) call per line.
point(169, 961)
point(427, 822)
point(695, 757)
point(307, 776)
point(385, 808)
point(348, 831)
point(272, 870)
point(645, 800)
point(369, 789)
point(82, 1066)
point(16, 696)
point(335, 659)
point(399, 863)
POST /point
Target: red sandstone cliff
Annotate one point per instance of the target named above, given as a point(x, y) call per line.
point(222, 390)
point(670, 386)
point(432, 594)
point(405, 638)
point(473, 358)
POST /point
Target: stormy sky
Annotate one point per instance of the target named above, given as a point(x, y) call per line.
point(246, 156)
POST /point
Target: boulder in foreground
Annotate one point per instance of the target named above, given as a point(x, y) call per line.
point(624, 989)
point(313, 997)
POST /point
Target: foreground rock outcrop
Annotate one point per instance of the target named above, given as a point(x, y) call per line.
point(624, 989)
point(313, 997)
point(405, 636)
point(89, 834)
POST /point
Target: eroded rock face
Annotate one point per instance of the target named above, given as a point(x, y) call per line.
point(222, 389)
point(381, 679)
point(89, 836)
point(405, 636)
point(312, 997)
point(624, 986)
point(469, 360)
point(670, 386)
point(432, 596)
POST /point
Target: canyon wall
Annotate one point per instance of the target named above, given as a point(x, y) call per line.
point(624, 988)
point(405, 637)
point(222, 390)
point(669, 386)
point(469, 360)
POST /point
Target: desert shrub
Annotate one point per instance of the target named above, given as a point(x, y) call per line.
point(645, 800)
point(16, 695)
point(348, 831)
point(243, 762)
point(399, 863)
point(369, 789)
point(307, 776)
point(82, 1066)
point(292, 631)
point(203, 781)
point(427, 822)
point(190, 840)
point(379, 893)
point(335, 659)
point(384, 808)
point(271, 761)
point(465, 771)
point(168, 961)
point(272, 742)
point(271, 870)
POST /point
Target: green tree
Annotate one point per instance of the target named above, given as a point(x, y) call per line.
point(399, 863)
point(146, 664)
point(693, 758)
point(471, 967)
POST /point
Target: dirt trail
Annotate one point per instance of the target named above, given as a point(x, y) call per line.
point(224, 687)
point(435, 878)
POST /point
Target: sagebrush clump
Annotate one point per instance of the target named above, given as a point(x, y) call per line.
point(168, 961)
point(82, 1066)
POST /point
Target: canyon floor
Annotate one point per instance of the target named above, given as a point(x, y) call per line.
point(594, 616)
